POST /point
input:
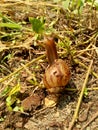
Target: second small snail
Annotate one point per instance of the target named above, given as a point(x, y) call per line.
point(57, 74)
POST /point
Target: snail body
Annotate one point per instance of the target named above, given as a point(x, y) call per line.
point(57, 73)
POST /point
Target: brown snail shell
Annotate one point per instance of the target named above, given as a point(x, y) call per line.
point(56, 76)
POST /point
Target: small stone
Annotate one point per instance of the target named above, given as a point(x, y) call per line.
point(88, 128)
point(19, 124)
point(49, 102)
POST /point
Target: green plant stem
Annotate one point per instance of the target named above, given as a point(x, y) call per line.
point(6, 19)
point(80, 97)
point(21, 68)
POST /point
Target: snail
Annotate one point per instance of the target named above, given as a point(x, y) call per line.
point(57, 74)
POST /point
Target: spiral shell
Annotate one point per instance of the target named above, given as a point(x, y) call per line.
point(56, 76)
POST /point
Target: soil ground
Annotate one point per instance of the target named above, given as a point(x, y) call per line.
point(18, 47)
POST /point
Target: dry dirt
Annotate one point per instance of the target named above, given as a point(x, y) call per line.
point(79, 30)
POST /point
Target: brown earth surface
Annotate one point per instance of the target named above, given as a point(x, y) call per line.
point(20, 63)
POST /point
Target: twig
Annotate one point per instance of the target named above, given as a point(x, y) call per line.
point(75, 89)
point(80, 97)
point(80, 63)
point(93, 118)
point(30, 4)
point(21, 68)
point(90, 39)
